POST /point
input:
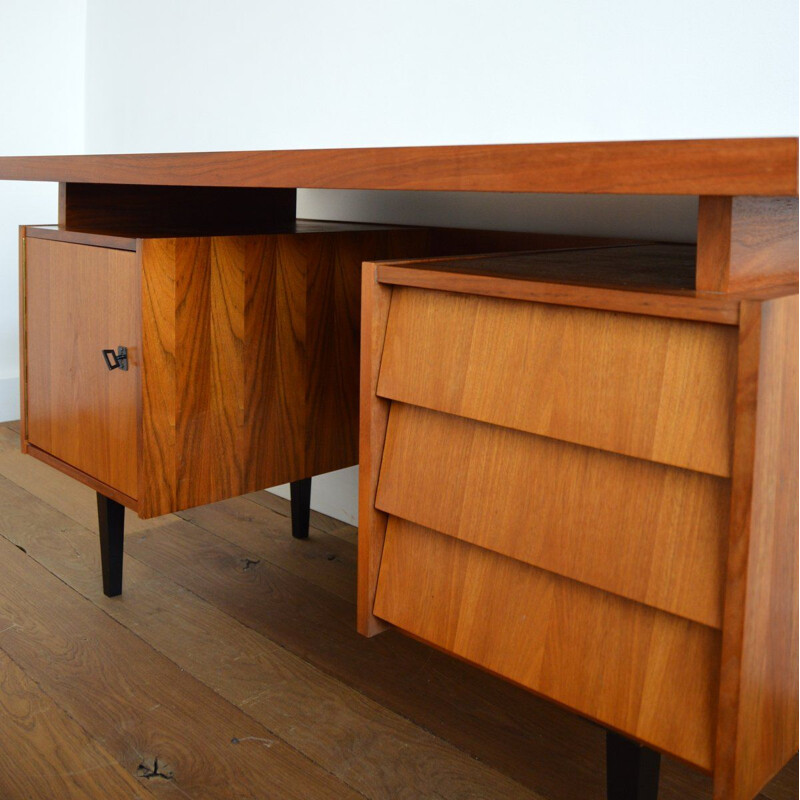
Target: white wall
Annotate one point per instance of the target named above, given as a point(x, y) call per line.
point(42, 56)
point(255, 74)
point(250, 74)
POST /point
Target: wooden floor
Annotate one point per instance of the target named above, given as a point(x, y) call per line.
point(230, 668)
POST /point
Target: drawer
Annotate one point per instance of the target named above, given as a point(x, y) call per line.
point(649, 387)
point(79, 301)
point(646, 673)
point(650, 532)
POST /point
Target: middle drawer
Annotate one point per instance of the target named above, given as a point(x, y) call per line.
point(646, 531)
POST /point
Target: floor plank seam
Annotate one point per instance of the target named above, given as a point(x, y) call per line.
point(277, 738)
point(164, 655)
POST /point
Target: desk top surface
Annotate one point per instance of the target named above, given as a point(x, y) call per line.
point(691, 167)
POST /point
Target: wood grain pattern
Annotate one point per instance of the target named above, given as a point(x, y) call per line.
point(62, 203)
point(641, 386)
point(158, 456)
point(251, 360)
point(632, 266)
point(80, 300)
point(250, 342)
point(486, 719)
point(134, 230)
point(189, 209)
point(45, 753)
point(440, 347)
point(641, 671)
point(330, 564)
point(333, 309)
point(650, 533)
point(358, 741)
point(373, 418)
point(745, 243)
point(757, 729)
point(214, 749)
point(124, 234)
point(694, 167)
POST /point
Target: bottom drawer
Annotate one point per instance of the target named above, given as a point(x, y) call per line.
point(644, 672)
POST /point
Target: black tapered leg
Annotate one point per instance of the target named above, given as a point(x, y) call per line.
point(111, 521)
point(631, 769)
point(300, 493)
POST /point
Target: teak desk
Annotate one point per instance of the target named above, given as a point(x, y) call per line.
point(199, 259)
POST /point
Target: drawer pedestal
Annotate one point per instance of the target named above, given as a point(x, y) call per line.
point(591, 491)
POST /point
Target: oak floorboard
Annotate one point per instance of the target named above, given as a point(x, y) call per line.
point(46, 754)
point(533, 742)
point(507, 728)
point(320, 522)
point(328, 562)
point(378, 753)
point(137, 702)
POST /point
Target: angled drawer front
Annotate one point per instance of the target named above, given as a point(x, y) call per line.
point(642, 671)
point(81, 300)
point(646, 531)
point(652, 388)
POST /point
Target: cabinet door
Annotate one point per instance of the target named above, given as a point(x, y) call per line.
point(80, 300)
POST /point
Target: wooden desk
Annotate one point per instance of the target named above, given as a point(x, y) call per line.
point(746, 254)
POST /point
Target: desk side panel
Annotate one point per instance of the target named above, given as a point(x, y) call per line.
point(757, 728)
point(251, 360)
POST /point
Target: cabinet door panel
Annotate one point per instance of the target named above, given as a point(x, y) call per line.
point(80, 300)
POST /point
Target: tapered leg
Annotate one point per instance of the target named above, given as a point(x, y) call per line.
point(111, 521)
point(631, 769)
point(300, 493)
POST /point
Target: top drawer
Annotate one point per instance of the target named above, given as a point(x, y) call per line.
point(648, 387)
